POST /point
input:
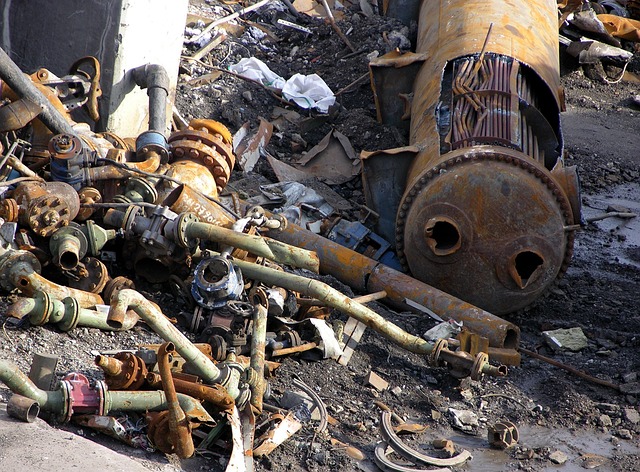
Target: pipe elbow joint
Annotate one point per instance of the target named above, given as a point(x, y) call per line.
point(151, 76)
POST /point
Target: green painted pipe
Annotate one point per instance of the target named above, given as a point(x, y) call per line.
point(55, 401)
point(335, 299)
point(66, 314)
point(127, 299)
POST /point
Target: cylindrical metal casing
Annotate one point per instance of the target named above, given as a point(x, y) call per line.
point(482, 216)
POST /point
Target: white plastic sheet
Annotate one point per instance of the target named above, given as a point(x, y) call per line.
point(306, 91)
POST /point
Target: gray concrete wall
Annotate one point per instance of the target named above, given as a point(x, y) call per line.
point(122, 34)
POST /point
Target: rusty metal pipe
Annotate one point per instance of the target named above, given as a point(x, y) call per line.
point(258, 245)
point(23, 276)
point(367, 275)
point(66, 314)
point(155, 79)
point(19, 383)
point(339, 301)
point(214, 394)
point(179, 427)
point(258, 343)
point(25, 88)
point(18, 114)
point(285, 351)
point(57, 401)
point(184, 199)
point(23, 408)
point(111, 366)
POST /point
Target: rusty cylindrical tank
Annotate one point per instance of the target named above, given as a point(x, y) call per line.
point(489, 208)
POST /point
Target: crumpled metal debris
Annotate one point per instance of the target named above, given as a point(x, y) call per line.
point(95, 208)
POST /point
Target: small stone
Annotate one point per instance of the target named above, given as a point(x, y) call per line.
point(631, 415)
point(632, 388)
point(630, 377)
point(558, 457)
point(435, 415)
point(608, 407)
point(604, 421)
point(624, 434)
point(572, 339)
point(396, 391)
point(247, 95)
point(465, 420)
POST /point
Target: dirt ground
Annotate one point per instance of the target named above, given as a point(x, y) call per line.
point(597, 427)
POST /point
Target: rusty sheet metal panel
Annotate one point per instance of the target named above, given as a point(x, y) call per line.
point(482, 216)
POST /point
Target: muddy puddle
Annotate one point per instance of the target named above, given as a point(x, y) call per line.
point(623, 234)
point(585, 450)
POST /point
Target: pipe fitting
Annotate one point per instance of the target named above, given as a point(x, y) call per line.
point(216, 281)
point(127, 299)
point(23, 408)
point(76, 396)
point(155, 79)
point(65, 314)
point(46, 206)
point(179, 428)
point(68, 245)
point(124, 371)
point(20, 269)
point(70, 160)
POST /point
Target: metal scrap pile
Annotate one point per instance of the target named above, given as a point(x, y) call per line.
point(77, 204)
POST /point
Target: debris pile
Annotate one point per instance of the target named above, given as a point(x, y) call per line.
point(87, 217)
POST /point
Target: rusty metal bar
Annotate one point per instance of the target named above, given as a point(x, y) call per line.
point(260, 246)
point(24, 88)
point(214, 394)
point(23, 276)
point(258, 342)
point(179, 427)
point(127, 299)
point(293, 350)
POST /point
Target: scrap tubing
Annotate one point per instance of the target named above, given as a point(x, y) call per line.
point(367, 275)
point(258, 343)
point(179, 427)
point(23, 276)
point(25, 88)
point(339, 301)
point(215, 394)
point(271, 249)
point(55, 401)
point(127, 299)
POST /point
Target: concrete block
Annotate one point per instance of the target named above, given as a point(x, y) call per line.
point(122, 34)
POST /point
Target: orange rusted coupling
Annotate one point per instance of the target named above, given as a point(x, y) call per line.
point(124, 371)
point(20, 269)
point(482, 205)
point(179, 426)
point(18, 114)
point(206, 142)
point(46, 206)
